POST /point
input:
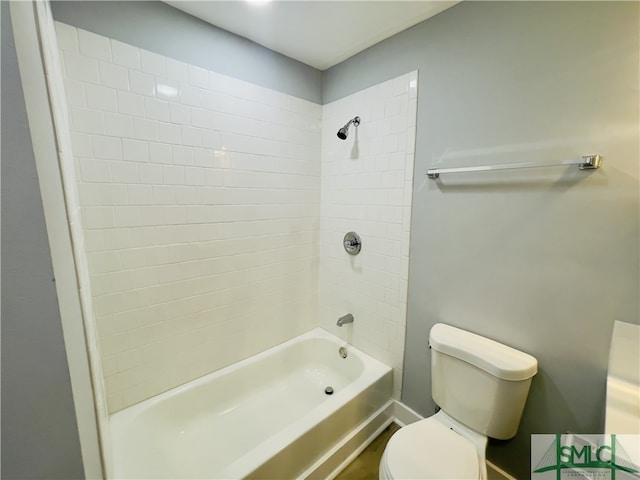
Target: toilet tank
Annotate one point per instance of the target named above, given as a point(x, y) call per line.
point(481, 383)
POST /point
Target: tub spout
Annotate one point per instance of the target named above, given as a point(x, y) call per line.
point(348, 318)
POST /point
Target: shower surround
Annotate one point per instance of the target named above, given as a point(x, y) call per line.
point(201, 206)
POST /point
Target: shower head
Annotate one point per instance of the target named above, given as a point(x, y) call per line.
point(344, 131)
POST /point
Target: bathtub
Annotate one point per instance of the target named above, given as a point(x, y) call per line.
point(265, 417)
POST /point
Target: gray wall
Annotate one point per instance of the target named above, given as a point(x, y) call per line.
point(39, 429)
point(160, 28)
point(543, 260)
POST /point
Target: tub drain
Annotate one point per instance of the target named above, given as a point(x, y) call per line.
point(328, 390)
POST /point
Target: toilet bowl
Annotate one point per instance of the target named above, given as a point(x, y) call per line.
point(437, 447)
point(481, 387)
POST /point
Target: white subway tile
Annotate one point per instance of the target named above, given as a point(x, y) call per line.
point(134, 258)
point(167, 89)
point(113, 194)
point(390, 143)
point(392, 107)
point(157, 109)
point(94, 241)
point(158, 254)
point(160, 153)
point(114, 76)
point(144, 277)
point(142, 237)
point(400, 85)
point(81, 144)
point(173, 175)
point(190, 95)
point(186, 195)
point(74, 91)
point(93, 170)
point(169, 133)
point(135, 150)
point(67, 37)
point(142, 83)
point(195, 176)
point(211, 140)
point(175, 215)
point(107, 147)
point(411, 141)
point(140, 194)
point(130, 104)
point(198, 77)
point(180, 114)
point(118, 125)
point(129, 359)
point(413, 85)
point(201, 117)
point(93, 45)
point(399, 123)
point(192, 136)
point(163, 195)
point(124, 172)
point(150, 174)
point(280, 165)
point(98, 217)
point(128, 217)
point(145, 129)
point(117, 239)
point(152, 63)
point(125, 55)
point(89, 195)
point(101, 98)
point(81, 68)
point(177, 71)
point(203, 157)
point(182, 155)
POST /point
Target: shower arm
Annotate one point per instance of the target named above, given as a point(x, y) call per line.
point(354, 120)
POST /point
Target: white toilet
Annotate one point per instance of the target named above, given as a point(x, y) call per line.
point(481, 387)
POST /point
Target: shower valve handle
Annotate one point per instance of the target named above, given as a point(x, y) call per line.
point(352, 243)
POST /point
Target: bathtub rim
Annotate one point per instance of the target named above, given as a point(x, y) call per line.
point(316, 332)
point(373, 370)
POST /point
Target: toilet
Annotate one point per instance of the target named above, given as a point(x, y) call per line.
point(481, 387)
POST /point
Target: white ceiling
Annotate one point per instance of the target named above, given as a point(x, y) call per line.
point(318, 33)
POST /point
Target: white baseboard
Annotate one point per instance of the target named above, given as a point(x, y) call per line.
point(336, 460)
point(403, 415)
point(496, 473)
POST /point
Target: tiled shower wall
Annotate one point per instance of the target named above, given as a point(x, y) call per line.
point(200, 201)
point(367, 183)
point(200, 198)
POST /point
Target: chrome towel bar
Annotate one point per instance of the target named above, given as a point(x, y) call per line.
point(587, 162)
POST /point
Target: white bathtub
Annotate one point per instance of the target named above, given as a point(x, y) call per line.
point(265, 417)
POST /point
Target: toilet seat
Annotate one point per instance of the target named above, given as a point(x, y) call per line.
point(428, 449)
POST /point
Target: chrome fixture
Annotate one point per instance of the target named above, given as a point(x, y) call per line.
point(328, 390)
point(348, 318)
point(352, 243)
point(344, 131)
point(343, 352)
point(586, 162)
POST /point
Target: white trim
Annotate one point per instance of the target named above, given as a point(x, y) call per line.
point(403, 415)
point(346, 451)
point(498, 473)
point(41, 82)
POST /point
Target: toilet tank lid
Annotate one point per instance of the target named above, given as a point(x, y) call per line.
point(495, 358)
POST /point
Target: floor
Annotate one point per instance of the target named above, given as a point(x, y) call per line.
point(365, 466)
